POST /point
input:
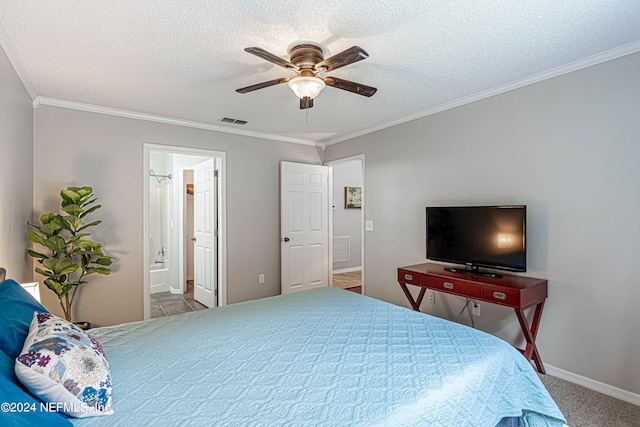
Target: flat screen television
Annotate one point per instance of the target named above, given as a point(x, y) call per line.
point(478, 236)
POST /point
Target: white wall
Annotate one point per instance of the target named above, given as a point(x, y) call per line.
point(160, 209)
point(16, 172)
point(74, 147)
point(347, 222)
point(569, 148)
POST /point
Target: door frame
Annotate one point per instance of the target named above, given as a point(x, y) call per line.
point(361, 158)
point(222, 219)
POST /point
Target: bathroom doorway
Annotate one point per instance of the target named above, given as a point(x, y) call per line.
point(169, 212)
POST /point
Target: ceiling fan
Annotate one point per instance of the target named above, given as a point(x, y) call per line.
point(307, 60)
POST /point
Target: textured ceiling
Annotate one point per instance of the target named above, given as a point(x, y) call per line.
point(184, 60)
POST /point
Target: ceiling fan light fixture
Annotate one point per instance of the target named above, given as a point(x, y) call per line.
point(306, 86)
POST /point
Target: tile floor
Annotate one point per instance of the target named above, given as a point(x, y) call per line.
point(166, 303)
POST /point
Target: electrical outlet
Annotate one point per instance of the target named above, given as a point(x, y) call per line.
point(475, 309)
point(432, 297)
point(261, 278)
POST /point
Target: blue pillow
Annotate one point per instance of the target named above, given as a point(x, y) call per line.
point(20, 408)
point(16, 312)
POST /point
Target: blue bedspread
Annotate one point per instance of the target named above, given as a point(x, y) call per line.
point(324, 357)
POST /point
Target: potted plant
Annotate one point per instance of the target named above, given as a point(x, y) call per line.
point(69, 256)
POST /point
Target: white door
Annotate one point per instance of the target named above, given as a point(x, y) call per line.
point(205, 231)
point(304, 225)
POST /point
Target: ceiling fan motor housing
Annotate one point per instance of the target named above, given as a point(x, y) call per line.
point(306, 56)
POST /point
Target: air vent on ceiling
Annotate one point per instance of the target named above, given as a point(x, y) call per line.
point(234, 121)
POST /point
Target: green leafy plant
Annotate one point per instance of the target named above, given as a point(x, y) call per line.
point(68, 256)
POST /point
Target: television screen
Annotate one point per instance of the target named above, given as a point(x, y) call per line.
point(478, 236)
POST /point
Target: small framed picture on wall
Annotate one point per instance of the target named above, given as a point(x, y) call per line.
point(352, 197)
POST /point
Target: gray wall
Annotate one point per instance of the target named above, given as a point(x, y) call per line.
point(16, 172)
point(569, 148)
point(347, 222)
point(80, 148)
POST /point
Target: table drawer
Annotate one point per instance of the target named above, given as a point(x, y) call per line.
point(410, 277)
point(470, 290)
point(500, 295)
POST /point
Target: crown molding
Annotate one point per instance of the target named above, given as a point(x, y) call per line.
point(91, 108)
point(589, 61)
point(6, 44)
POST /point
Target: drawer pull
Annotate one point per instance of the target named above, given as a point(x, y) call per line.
point(499, 295)
point(448, 285)
point(408, 277)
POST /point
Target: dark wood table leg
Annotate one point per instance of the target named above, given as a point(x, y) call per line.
point(415, 304)
point(531, 350)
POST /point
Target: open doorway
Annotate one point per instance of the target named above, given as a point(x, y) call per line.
point(347, 223)
point(168, 210)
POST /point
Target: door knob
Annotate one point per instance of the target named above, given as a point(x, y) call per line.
point(193, 239)
point(286, 239)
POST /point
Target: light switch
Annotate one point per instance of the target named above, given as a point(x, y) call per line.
point(368, 225)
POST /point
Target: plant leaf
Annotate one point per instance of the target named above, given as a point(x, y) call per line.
point(56, 244)
point(104, 260)
point(74, 221)
point(78, 236)
point(50, 263)
point(65, 266)
point(85, 204)
point(88, 245)
point(47, 217)
point(84, 191)
point(51, 229)
point(62, 222)
point(69, 196)
point(44, 273)
point(91, 224)
point(100, 270)
point(35, 237)
point(88, 211)
point(56, 287)
point(73, 209)
point(38, 255)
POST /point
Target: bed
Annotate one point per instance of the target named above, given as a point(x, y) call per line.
point(323, 357)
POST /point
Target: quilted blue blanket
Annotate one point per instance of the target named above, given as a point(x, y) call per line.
point(323, 357)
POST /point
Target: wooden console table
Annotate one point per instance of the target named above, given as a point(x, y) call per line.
point(512, 291)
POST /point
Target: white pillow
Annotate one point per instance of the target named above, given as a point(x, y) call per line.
point(65, 367)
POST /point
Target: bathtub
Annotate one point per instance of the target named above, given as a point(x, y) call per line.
point(159, 277)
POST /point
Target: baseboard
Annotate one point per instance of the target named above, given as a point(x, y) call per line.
point(154, 289)
point(347, 270)
point(598, 386)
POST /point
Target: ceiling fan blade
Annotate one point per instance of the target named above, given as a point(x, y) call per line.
point(346, 57)
point(262, 85)
point(347, 85)
point(257, 51)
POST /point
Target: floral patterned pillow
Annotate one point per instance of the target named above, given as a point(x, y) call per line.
point(65, 367)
